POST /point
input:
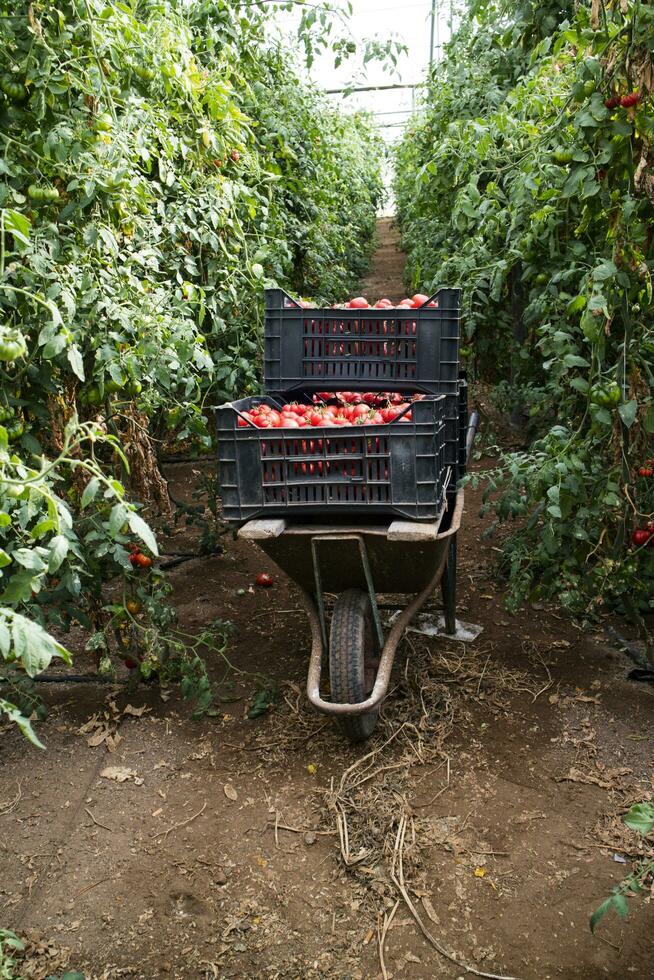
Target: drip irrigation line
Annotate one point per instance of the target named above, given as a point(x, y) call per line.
point(73, 679)
point(174, 460)
point(624, 646)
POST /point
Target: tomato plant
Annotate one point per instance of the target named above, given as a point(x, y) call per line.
point(528, 177)
point(159, 163)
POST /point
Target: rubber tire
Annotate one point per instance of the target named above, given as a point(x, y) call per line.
point(352, 649)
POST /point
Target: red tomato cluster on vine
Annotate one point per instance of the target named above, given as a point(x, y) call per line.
point(625, 101)
point(644, 536)
point(137, 558)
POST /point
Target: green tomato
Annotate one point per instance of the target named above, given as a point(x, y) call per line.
point(36, 193)
point(14, 89)
point(12, 344)
point(607, 394)
point(134, 387)
point(112, 386)
point(589, 87)
point(562, 156)
point(542, 279)
point(12, 491)
point(173, 417)
point(143, 72)
point(93, 396)
point(6, 413)
point(104, 123)
point(15, 430)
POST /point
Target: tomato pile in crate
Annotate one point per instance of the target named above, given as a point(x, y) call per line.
point(371, 449)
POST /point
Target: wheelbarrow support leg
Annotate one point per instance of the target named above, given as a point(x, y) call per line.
point(448, 588)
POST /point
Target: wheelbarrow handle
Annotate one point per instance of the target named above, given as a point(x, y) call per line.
point(473, 422)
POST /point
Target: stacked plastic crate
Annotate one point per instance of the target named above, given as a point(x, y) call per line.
point(402, 467)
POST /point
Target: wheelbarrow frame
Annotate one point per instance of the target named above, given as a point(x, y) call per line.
point(384, 557)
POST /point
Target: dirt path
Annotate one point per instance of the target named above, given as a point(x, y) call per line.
point(499, 772)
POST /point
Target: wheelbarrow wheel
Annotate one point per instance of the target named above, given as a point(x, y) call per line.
point(353, 661)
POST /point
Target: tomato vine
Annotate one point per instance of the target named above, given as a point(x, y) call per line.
point(528, 177)
point(159, 162)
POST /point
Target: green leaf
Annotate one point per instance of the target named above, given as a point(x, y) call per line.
point(600, 912)
point(605, 270)
point(54, 346)
point(29, 558)
point(75, 361)
point(43, 527)
point(34, 646)
point(640, 818)
point(117, 518)
point(628, 411)
point(5, 636)
point(619, 903)
point(19, 588)
point(573, 360)
point(17, 225)
point(90, 490)
point(577, 304)
point(58, 551)
point(4, 559)
point(139, 527)
point(21, 721)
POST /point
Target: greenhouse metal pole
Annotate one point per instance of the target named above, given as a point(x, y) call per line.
point(431, 33)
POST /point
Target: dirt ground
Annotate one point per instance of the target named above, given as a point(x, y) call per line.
point(487, 805)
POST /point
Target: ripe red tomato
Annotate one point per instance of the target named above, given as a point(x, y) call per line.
point(419, 300)
point(143, 561)
point(640, 537)
point(359, 303)
point(134, 559)
point(646, 471)
point(264, 580)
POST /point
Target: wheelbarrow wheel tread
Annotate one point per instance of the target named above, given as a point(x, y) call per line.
point(352, 661)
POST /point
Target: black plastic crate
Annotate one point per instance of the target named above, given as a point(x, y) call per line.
point(363, 470)
point(398, 349)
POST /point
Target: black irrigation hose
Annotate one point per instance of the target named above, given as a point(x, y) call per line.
point(177, 460)
point(181, 558)
point(643, 672)
point(72, 679)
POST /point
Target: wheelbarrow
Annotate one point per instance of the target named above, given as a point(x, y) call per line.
point(358, 563)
